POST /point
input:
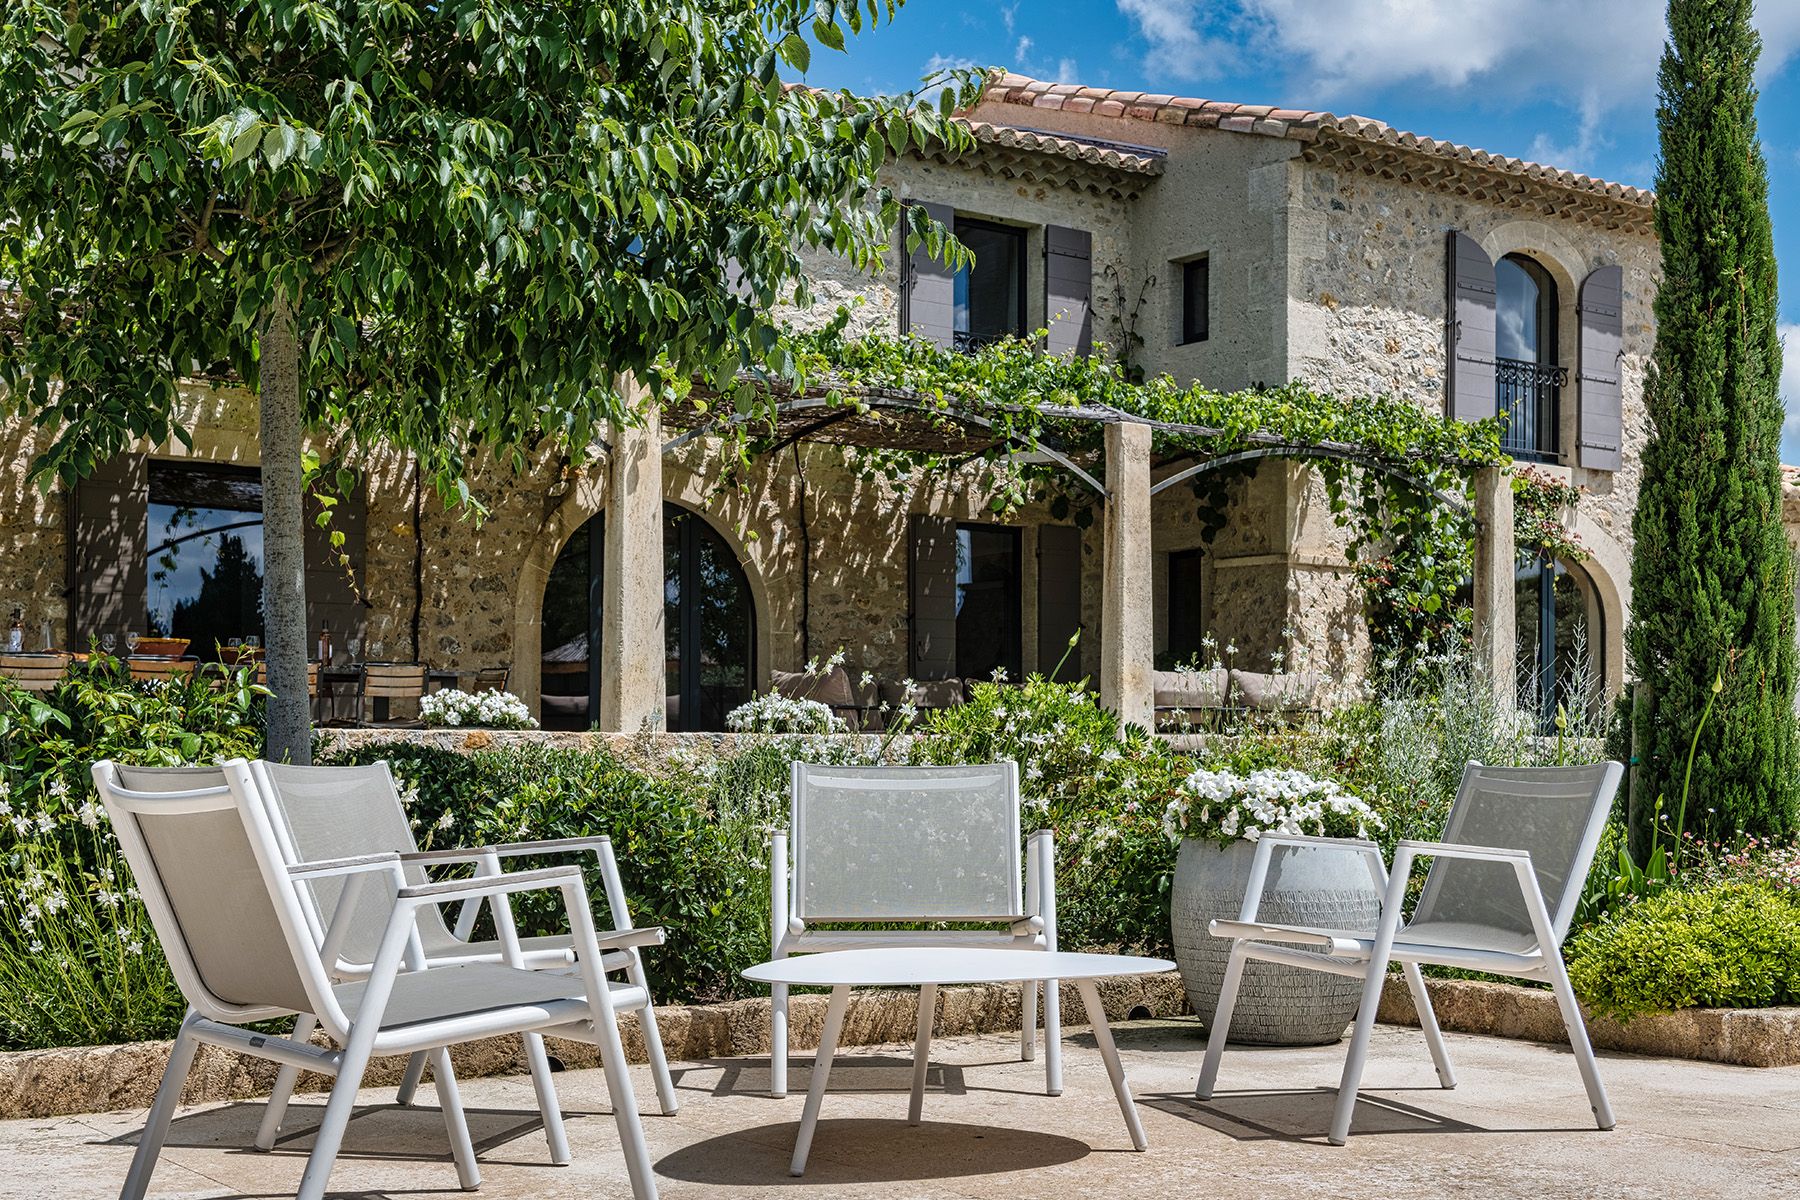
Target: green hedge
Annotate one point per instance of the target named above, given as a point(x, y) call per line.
point(1731, 945)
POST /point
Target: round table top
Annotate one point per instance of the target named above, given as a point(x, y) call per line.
point(905, 966)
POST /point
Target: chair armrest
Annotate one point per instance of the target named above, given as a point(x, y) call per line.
point(570, 845)
point(326, 867)
point(460, 854)
point(1447, 850)
point(492, 885)
point(626, 939)
point(1362, 845)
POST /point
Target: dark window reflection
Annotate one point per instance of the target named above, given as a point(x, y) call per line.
point(990, 294)
point(708, 627)
point(205, 559)
point(987, 601)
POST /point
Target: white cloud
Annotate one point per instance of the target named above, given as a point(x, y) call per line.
point(1178, 47)
point(1009, 13)
point(1023, 50)
point(1594, 56)
point(936, 65)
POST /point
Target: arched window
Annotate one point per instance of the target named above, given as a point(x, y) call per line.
point(1560, 639)
point(1526, 369)
point(709, 626)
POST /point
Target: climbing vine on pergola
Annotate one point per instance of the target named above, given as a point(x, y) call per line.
point(1397, 478)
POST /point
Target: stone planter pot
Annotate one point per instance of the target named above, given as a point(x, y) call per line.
point(1277, 1005)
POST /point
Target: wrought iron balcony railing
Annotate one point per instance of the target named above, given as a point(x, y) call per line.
point(1530, 398)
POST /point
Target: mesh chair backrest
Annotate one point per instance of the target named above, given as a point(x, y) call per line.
point(343, 812)
point(219, 918)
point(906, 843)
point(1554, 813)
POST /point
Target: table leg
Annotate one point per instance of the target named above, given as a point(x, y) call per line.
point(922, 1051)
point(821, 1071)
point(1109, 1053)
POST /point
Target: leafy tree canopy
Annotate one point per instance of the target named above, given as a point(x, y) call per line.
point(478, 211)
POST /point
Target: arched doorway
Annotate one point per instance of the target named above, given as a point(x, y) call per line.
point(1561, 640)
point(709, 626)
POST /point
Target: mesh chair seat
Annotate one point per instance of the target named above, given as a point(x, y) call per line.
point(1465, 935)
point(446, 993)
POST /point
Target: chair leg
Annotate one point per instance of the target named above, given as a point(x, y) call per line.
point(1028, 1008)
point(545, 1087)
point(778, 1039)
point(1345, 1109)
point(338, 1109)
point(1053, 1081)
point(456, 1124)
point(411, 1078)
point(162, 1110)
point(1221, 1022)
point(283, 1091)
point(624, 1104)
point(922, 1052)
point(1576, 1024)
point(1434, 1037)
point(653, 1047)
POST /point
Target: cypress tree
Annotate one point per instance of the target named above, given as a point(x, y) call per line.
point(1712, 574)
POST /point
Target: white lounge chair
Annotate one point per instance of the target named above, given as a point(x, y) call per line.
point(230, 912)
point(1502, 889)
point(885, 846)
point(335, 812)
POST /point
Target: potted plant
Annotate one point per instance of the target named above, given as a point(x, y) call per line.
point(1216, 819)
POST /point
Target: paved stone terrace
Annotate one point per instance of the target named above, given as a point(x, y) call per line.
point(1517, 1126)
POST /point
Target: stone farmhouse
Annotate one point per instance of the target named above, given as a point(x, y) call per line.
point(1229, 244)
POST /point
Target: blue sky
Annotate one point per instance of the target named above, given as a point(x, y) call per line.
point(1568, 82)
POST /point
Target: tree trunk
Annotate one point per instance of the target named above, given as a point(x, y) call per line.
point(284, 527)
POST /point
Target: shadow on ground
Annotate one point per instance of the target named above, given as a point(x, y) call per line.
point(863, 1151)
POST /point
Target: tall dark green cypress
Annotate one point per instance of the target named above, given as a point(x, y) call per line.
point(1712, 576)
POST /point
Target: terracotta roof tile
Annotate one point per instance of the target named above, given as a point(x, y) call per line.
point(1117, 158)
point(1293, 123)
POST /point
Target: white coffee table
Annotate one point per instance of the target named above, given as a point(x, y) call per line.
point(926, 968)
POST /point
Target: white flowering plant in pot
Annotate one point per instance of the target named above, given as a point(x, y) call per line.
point(475, 710)
point(1226, 807)
point(772, 712)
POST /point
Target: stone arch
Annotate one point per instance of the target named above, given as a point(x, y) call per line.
point(1567, 264)
point(1608, 570)
point(586, 498)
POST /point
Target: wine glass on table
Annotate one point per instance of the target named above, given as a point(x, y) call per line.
point(107, 641)
point(131, 641)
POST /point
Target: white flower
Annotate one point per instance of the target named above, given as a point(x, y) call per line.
point(90, 814)
point(447, 820)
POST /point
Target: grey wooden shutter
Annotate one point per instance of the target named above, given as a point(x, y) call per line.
point(108, 533)
point(330, 594)
point(933, 562)
point(1058, 600)
point(1600, 432)
point(928, 287)
point(1069, 289)
point(1470, 331)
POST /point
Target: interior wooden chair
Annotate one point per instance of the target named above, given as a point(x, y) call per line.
point(493, 679)
point(148, 667)
point(34, 672)
point(390, 682)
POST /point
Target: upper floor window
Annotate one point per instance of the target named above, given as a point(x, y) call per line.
point(1527, 378)
point(1196, 299)
point(989, 293)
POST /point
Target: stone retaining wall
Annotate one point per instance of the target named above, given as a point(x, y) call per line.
point(78, 1079)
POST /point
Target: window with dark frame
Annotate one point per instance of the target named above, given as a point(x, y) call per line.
point(205, 552)
point(1196, 299)
point(990, 293)
point(1187, 629)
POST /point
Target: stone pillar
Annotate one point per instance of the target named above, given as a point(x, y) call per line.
point(632, 682)
point(1496, 628)
point(1127, 615)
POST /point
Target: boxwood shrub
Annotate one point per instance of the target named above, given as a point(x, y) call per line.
point(1730, 945)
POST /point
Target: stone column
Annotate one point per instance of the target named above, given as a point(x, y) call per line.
point(1496, 629)
point(1127, 616)
point(632, 681)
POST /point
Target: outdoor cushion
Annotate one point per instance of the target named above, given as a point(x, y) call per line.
point(1190, 689)
point(830, 688)
point(926, 693)
point(1276, 693)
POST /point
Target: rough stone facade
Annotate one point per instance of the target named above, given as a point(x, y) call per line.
point(1323, 268)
